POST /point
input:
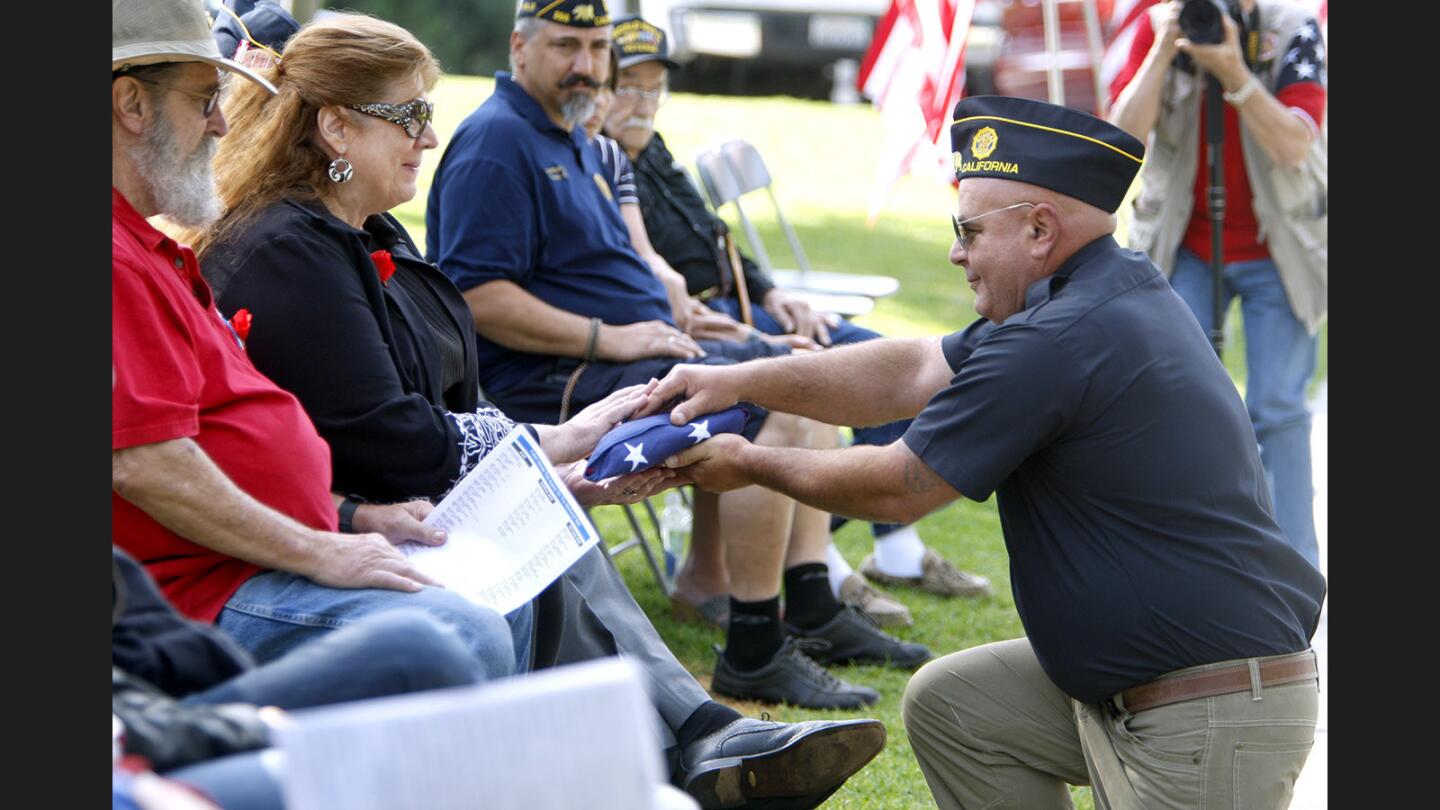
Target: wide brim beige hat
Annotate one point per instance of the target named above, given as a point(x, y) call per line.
point(148, 32)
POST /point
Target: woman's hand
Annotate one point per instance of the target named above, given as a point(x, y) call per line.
point(578, 436)
point(632, 488)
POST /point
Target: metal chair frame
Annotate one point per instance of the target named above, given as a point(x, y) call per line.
point(664, 573)
point(750, 174)
point(722, 186)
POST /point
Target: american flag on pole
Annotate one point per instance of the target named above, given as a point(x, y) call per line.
point(914, 74)
point(1125, 19)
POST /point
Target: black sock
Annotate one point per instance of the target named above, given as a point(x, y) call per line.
point(809, 602)
point(755, 635)
point(704, 721)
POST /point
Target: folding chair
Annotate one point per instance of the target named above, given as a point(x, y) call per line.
point(665, 571)
point(722, 186)
point(751, 175)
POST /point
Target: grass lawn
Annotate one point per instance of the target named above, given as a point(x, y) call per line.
point(822, 158)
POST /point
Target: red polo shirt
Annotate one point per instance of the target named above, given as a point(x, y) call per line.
point(180, 372)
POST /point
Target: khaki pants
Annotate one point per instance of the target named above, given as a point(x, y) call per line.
point(990, 730)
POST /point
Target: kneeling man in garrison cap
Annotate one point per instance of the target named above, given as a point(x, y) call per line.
point(1166, 661)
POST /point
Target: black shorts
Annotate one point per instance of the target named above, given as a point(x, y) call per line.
point(537, 399)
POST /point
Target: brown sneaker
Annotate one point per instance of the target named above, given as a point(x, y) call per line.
point(884, 609)
point(938, 576)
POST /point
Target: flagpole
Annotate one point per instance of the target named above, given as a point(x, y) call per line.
point(1092, 39)
point(1052, 50)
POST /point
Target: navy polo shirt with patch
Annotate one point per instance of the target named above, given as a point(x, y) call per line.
point(516, 197)
point(1134, 505)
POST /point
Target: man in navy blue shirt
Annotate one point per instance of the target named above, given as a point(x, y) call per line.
point(1168, 622)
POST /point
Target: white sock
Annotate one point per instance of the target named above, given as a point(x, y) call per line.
point(899, 552)
point(839, 569)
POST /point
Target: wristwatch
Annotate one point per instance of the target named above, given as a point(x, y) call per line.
point(1243, 91)
point(347, 514)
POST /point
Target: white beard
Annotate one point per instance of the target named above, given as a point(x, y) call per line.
point(183, 186)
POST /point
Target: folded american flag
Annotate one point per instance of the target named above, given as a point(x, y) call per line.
point(644, 443)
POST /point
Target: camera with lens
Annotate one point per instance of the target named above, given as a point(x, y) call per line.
point(1202, 21)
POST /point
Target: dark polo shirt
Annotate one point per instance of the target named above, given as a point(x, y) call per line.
point(1135, 509)
point(516, 197)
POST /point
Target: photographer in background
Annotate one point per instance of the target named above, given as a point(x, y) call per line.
point(1270, 61)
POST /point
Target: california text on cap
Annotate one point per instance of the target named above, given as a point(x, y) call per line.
point(1059, 148)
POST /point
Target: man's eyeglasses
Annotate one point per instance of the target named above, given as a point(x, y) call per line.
point(412, 116)
point(964, 236)
point(212, 98)
point(635, 94)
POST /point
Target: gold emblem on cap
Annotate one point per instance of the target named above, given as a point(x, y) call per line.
point(586, 12)
point(984, 143)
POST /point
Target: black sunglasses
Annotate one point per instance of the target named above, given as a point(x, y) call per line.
point(412, 116)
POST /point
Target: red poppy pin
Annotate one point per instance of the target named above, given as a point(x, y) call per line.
point(240, 322)
point(384, 265)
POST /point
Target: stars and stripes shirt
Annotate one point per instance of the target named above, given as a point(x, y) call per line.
point(619, 173)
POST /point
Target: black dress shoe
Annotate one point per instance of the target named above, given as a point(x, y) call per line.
point(777, 766)
point(851, 636)
point(790, 677)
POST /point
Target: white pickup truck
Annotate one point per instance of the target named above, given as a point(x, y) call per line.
point(799, 35)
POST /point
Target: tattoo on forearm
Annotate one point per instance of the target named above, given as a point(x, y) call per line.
point(919, 477)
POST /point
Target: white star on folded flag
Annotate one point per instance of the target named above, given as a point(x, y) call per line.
point(634, 457)
point(701, 431)
point(1305, 70)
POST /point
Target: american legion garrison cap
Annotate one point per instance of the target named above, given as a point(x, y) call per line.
point(578, 13)
point(1059, 148)
point(638, 41)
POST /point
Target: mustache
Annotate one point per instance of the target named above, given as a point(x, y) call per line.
point(575, 78)
point(637, 122)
